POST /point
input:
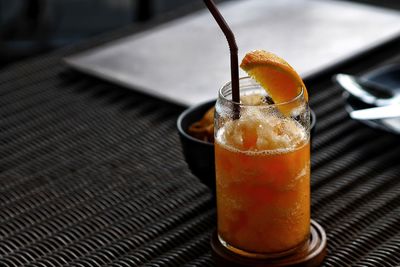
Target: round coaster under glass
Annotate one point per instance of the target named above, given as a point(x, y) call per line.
point(310, 255)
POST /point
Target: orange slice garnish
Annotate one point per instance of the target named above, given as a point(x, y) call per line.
point(275, 75)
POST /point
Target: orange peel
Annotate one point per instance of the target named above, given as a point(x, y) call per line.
point(275, 75)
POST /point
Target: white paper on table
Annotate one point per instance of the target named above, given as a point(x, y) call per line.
point(186, 60)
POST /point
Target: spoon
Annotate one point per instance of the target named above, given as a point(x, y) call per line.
point(377, 113)
point(368, 92)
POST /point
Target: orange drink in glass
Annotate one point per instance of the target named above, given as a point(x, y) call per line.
point(262, 159)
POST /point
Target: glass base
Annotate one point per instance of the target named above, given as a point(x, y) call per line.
point(254, 255)
point(310, 255)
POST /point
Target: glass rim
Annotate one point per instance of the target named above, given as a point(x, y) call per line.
point(256, 84)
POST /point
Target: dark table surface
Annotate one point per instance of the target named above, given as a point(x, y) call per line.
point(92, 174)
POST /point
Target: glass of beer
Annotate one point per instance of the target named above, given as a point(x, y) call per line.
point(262, 160)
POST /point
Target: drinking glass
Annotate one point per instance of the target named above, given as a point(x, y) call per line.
point(262, 160)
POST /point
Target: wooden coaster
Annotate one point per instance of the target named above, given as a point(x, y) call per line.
point(311, 255)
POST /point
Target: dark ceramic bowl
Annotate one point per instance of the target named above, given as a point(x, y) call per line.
point(199, 154)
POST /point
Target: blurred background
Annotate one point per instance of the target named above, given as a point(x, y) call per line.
point(31, 27)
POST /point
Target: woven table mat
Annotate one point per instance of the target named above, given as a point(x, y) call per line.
point(93, 175)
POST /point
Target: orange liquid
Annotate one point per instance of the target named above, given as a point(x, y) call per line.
point(263, 196)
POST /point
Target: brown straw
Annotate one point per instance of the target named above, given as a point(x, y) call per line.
point(230, 37)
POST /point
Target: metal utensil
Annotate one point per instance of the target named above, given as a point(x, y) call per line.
point(368, 92)
point(375, 113)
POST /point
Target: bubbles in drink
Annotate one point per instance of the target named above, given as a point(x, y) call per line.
point(262, 129)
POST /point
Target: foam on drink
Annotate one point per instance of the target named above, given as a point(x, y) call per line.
point(261, 130)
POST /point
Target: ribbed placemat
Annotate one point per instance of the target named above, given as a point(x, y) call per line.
point(93, 175)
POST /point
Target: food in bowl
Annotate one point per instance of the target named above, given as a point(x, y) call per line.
point(204, 128)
